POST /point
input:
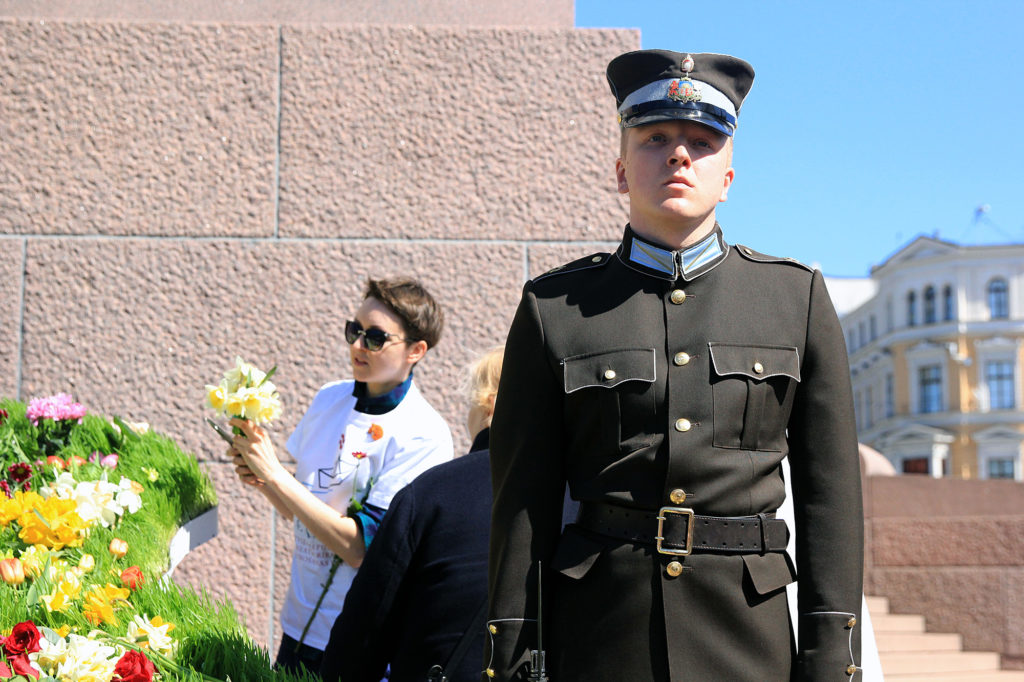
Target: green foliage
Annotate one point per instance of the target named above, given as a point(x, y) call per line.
point(213, 644)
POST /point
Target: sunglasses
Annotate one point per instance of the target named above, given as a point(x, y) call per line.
point(373, 338)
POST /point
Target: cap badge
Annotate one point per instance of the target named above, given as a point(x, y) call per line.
point(684, 90)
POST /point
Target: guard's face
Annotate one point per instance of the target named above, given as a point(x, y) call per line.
point(676, 173)
point(383, 369)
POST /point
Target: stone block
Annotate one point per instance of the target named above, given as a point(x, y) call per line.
point(449, 133)
point(10, 314)
point(534, 13)
point(969, 601)
point(137, 129)
point(145, 324)
point(976, 541)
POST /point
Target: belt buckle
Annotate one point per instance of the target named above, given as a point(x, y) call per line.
point(682, 511)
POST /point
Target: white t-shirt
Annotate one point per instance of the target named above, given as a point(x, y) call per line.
point(336, 456)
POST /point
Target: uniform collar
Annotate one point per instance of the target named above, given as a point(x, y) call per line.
point(657, 261)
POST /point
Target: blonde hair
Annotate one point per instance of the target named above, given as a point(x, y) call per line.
point(482, 375)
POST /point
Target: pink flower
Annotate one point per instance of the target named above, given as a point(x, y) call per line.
point(58, 407)
point(105, 461)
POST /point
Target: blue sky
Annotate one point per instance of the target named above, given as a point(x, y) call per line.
point(869, 122)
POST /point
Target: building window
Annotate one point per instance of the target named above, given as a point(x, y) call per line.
point(947, 303)
point(861, 336)
point(911, 309)
point(999, 467)
point(999, 380)
point(851, 341)
point(930, 316)
point(998, 299)
point(869, 408)
point(888, 315)
point(873, 327)
point(929, 379)
point(916, 465)
point(890, 397)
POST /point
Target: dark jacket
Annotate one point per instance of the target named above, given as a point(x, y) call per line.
point(422, 580)
point(636, 374)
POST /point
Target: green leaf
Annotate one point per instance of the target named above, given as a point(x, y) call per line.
point(268, 375)
point(51, 636)
point(126, 431)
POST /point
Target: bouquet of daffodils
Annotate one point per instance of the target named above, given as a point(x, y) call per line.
point(245, 392)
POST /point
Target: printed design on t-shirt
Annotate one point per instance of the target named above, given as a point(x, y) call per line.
point(347, 463)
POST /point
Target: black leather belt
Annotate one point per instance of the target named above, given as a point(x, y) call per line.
point(678, 531)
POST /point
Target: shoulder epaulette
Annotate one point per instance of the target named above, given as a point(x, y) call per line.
point(759, 257)
point(595, 260)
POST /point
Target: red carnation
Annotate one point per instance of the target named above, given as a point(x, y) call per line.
point(24, 639)
point(134, 667)
point(20, 471)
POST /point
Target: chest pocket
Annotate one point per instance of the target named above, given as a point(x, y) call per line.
point(752, 388)
point(609, 401)
point(609, 368)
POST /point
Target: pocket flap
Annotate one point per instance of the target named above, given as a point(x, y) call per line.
point(756, 362)
point(609, 368)
point(576, 553)
point(769, 572)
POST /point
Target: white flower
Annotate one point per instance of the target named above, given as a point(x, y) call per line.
point(152, 633)
point(86, 660)
point(50, 654)
point(243, 374)
point(128, 495)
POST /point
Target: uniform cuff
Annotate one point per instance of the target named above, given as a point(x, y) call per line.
point(829, 647)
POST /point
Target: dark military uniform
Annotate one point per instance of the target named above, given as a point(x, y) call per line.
point(649, 379)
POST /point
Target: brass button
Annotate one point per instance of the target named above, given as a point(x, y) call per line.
point(851, 670)
point(609, 374)
point(674, 569)
point(677, 296)
point(850, 623)
point(683, 425)
point(681, 358)
point(493, 629)
point(490, 672)
point(678, 496)
point(758, 368)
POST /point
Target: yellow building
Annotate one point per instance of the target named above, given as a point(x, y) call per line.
point(936, 344)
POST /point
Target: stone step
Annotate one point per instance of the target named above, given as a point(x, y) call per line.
point(897, 622)
point(879, 605)
point(943, 662)
point(968, 676)
point(896, 642)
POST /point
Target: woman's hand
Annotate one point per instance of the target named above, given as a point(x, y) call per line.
point(253, 454)
point(245, 474)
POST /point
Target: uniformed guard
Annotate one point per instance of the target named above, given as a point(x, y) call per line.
point(665, 383)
